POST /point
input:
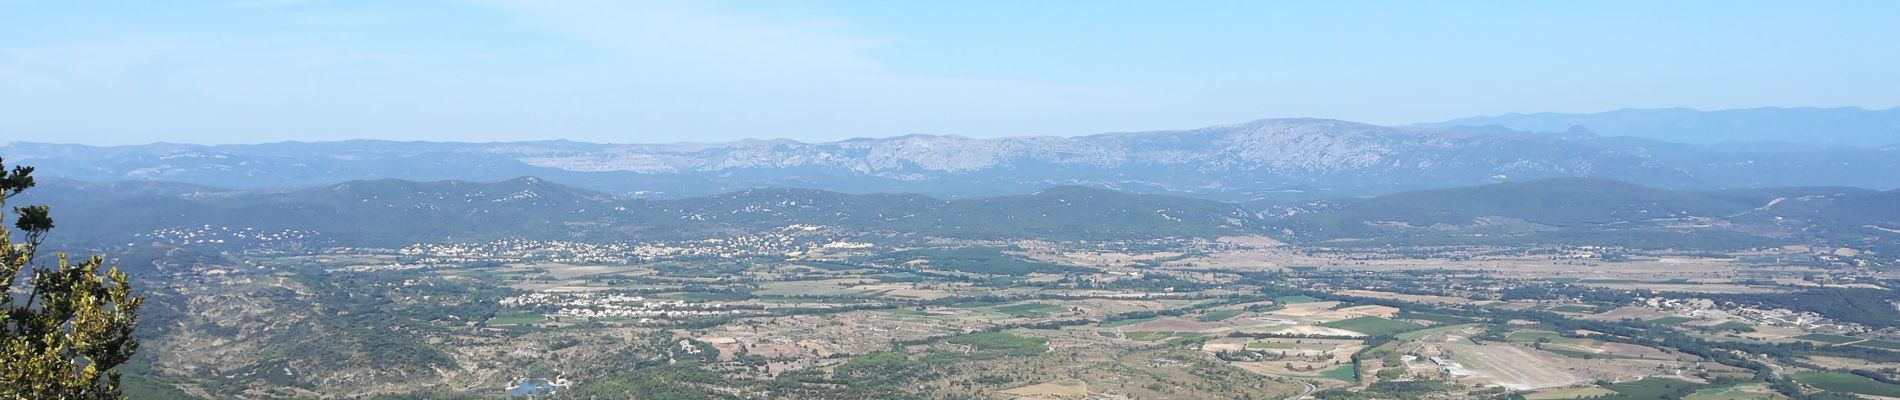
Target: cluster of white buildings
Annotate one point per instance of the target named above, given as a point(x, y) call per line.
point(792, 241)
point(558, 251)
point(387, 267)
point(207, 234)
point(1706, 308)
point(601, 305)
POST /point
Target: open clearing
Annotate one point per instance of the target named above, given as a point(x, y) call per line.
point(1219, 315)
point(828, 287)
point(1511, 366)
point(1827, 338)
point(1407, 297)
point(1305, 358)
point(1126, 322)
point(1358, 311)
point(1530, 336)
point(1737, 392)
point(1372, 325)
point(1637, 351)
point(1062, 389)
point(1170, 324)
point(571, 271)
point(1570, 393)
point(1846, 382)
point(1629, 312)
point(1305, 309)
point(1308, 330)
point(1030, 309)
point(516, 319)
point(1462, 330)
point(1294, 299)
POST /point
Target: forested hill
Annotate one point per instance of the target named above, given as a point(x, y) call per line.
point(391, 212)
point(1589, 211)
point(394, 212)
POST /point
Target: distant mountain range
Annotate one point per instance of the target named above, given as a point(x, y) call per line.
point(1274, 159)
point(1568, 211)
point(1841, 126)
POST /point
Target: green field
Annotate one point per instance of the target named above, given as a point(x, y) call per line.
point(1183, 337)
point(1345, 373)
point(909, 314)
point(1169, 337)
point(1671, 320)
point(1737, 392)
point(1845, 382)
point(975, 304)
point(1532, 336)
point(516, 319)
point(1219, 315)
point(1654, 388)
point(1573, 308)
point(137, 386)
point(1880, 344)
point(1030, 309)
point(1294, 299)
point(1826, 338)
point(1430, 317)
point(1721, 338)
point(1372, 325)
point(1126, 322)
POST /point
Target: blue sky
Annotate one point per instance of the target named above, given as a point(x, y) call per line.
point(119, 72)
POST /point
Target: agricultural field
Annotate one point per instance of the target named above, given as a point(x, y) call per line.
point(1828, 338)
point(951, 323)
point(1219, 315)
point(1511, 366)
point(1884, 344)
point(1372, 325)
point(1569, 393)
point(1294, 299)
point(1656, 388)
point(1847, 383)
point(1029, 309)
point(1737, 392)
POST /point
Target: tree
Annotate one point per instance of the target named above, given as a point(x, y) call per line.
point(64, 335)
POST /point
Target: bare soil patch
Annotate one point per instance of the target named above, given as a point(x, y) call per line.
point(1511, 366)
point(1171, 324)
point(1062, 389)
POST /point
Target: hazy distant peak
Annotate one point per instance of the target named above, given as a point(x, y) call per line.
point(1254, 159)
point(1853, 126)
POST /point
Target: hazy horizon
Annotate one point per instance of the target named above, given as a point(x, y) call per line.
point(271, 71)
point(829, 140)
